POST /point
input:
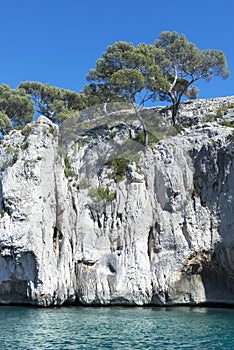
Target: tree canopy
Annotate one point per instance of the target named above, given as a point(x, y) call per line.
point(165, 70)
point(184, 64)
point(55, 103)
point(168, 69)
point(16, 108)
point(5, 122)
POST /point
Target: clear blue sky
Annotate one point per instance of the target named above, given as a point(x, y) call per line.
point(58, 41)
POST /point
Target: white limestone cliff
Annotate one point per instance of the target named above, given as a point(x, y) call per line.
point(162, 235)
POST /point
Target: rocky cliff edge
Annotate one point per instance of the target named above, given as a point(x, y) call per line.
point(98, 221)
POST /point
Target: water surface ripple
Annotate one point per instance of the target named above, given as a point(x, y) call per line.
point(71, 328)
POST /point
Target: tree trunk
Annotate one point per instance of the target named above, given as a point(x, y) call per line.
point(175, 108)
point(146, 137)
point(145, 131)
point(176, 99)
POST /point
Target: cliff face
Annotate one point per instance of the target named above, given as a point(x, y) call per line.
point(162, 234)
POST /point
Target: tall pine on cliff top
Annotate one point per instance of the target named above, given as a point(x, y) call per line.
point(166, 70)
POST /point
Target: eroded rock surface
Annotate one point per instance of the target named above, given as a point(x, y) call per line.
point(74, 230)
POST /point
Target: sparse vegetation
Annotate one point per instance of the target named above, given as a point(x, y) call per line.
point(29, 162)
point(3, 212)
point(99, 194)
point(166, 70)
point(119, 166)
point(12, 150)
point(219, 113)
point(26, 130)
point(195, 192)
point(221, 110)
point(25, 145)
point(228, 123)
point(152, 138)
point(53, 130)
point(178, 128)
point(69, 172)
point(209, 118)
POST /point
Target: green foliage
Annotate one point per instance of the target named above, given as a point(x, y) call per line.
point(25, 145)
point(69, 172)
point(119, 166)
point(55, 103)
point(125, 70)
point(209, 118)
point(99, 194)
point(16, 108)
point(118, 56)
point(219, 113)
point(26, 130)
point(221, 110)
point(167, 70)
point(13, 154)
point(195, 192)
point(30, 163)
point(3, 212)
point(105, 194)
point(97, 94)
point(76, 185)
point(152, 138)
point(53, 130)
point(12, 150)
point(228, 123)
point(185, 64)
point(5, 122)
point(127, 83)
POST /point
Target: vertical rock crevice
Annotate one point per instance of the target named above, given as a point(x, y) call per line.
point(169, 242)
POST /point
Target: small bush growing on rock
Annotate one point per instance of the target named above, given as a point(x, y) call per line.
point(102, 193)
point(69, 171)
point(25, 145)
point(209, 118)
point(152, 139)
point(12, 155)
point(53, 130)
point(10, 149)
point(119, 166)
point(219, 113)
point(26, 131)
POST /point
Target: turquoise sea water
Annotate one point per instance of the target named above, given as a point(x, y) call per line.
point(116, 328)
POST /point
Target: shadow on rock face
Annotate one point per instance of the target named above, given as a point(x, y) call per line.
point(214, 181)
point(207, 277)
point(18, 274)
point(218, 276)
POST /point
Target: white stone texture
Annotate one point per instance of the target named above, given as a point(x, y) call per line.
point(166, 237)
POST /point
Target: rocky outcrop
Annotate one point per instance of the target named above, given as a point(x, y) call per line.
point(101, 221)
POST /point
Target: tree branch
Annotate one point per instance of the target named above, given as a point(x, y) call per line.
point(175, 79)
